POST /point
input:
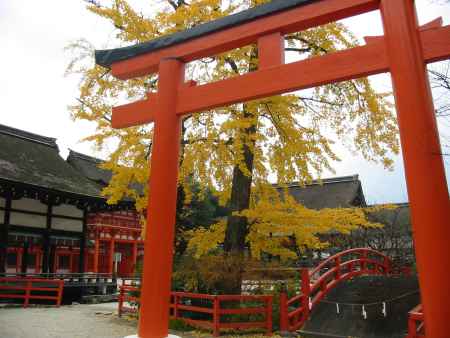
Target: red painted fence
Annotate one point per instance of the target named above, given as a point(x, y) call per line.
point(317, 283)
point(31, 288)
point(416, 325)
point(212, 307)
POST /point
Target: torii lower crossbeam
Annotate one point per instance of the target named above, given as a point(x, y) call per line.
point(404, 51)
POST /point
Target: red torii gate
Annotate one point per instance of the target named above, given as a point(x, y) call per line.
point(404, 51)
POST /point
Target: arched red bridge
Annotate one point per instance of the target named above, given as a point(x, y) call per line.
point(316, 284)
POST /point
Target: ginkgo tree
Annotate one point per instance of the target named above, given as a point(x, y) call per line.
point(236, 151)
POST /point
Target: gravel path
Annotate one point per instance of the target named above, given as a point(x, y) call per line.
point(75, 321)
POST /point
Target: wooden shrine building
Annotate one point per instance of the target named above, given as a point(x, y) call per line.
point(53, 218)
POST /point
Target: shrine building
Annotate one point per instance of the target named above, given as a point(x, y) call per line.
point(53, 218)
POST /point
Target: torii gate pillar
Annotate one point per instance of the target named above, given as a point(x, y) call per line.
point(424, 169)
point(162, 205)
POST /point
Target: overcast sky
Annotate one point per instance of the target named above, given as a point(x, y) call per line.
point(34, 93)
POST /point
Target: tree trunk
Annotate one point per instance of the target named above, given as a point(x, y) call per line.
point(237, 226)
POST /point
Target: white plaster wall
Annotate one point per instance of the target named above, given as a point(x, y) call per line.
point(33, 221)
point(29, 205)
point(67, 224)
point(2, 202)
point(67, 210)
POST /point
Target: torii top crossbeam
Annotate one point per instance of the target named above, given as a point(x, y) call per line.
point(404, 51)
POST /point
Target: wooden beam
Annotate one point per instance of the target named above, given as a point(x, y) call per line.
point(436, 44)
point(339, 66)
point(135, 113)
point(285, 22)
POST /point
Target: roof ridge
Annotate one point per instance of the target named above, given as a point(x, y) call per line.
point(329, 180)
point(28, 136)
point(85, 157)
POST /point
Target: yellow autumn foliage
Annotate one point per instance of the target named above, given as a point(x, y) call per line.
point(293, 134)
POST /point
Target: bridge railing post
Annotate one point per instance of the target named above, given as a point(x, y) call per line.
point(284, 310)
point(388, 265)
point(306, 292)
point(363, 262)
point(337, 262)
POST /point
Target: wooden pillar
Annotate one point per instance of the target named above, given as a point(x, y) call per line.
point(19, 252)
point(56, 262)
point(424, 169)
point(111, 254)
point(71, 267)
point(46, 263)
point(4, 234)
point(82, 257)
point(96, 253)
point(52, 259)
point(37, 260)
point(154, 315)
point(134, 254)
point(24, 263)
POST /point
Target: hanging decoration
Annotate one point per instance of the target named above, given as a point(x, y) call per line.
point(364, 313)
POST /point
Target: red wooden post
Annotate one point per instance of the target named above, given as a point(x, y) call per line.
point(36, 261)
point(216, 317)
point(363, 263)
point(19, 260)
point(412, 328)
point(56, 261)
point(154, 316)
point(387, 264)
point(60, 292)
point(121, 296)
point(306, 292)
point(284, 310)
point(337, 262)
point(175, 306)
point(71, 261)
point(134, 252)
point(96, 253)
point(27, 293)
point(424, 169)
point(269, 306)
point(111, 254)
point(271, 50)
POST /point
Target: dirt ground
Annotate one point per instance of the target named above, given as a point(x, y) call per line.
point(74, 321)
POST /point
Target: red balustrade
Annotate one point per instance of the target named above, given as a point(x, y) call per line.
point(212, 307)
point(315, 284)
point(31, 288)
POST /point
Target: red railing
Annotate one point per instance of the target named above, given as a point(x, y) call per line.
point(416, 325)
point(211, 306)
point(26, 288)
point(317, 283)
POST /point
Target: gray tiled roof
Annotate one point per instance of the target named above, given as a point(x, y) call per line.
point(335, 192)
point(27, 158)
point(89, 167)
